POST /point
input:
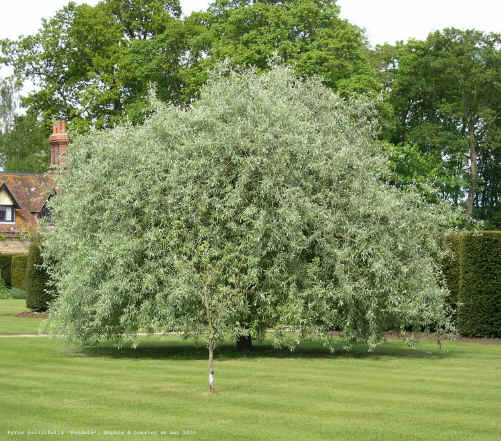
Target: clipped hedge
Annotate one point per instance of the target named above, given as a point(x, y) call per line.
point(5, 269)
point(4, 292)
point(451, 268)
point(37, 296)
point(479, 308)
point(19, 267)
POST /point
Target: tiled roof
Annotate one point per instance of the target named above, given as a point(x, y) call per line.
point(30, 190)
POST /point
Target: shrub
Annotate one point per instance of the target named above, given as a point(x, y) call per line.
point(17, 293)
point(5, 269)
point(479, 310)
point(38, 297)
point(4, 292)
point(18, 272)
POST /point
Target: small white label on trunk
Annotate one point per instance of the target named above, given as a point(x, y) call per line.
point(211, 379)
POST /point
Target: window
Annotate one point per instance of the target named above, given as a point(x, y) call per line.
point(7, 213)
point(46, 215)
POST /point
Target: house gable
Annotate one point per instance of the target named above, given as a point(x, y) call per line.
point(23, 195)
point(6, 197)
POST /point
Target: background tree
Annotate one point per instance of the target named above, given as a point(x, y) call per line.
point(143, 19)
point(9, 101)
point(23, 139)
point(307, 34)
point(94, 65)
point(446, 99)
point(79, 59)
point(263, 200)
point(24, 147)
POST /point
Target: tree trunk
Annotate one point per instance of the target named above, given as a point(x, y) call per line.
point(211, 368)
point(244, 343)
point(473, 166)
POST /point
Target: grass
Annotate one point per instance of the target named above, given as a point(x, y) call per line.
point(10, 324)
point(395, 393)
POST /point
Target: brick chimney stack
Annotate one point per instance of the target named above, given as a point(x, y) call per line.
point(58, 141)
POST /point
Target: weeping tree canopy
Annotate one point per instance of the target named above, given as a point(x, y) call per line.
point(262, 205)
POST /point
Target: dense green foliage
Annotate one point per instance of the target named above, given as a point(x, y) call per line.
point(479, 311)
point(451, 268)
point(13, 274)
point(23, 139)
point(24, 147)
point(38, 295)
point(81, 62)
point(445, 95)
point(307, 34)
point(94, 64)
point(4, 291)
point(19, 268)
point(12, 293)
point(6, 269)
point(17, 293)
point(261, 205)
point(471, 272)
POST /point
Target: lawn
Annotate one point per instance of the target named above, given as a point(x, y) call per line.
point(395, 393)
point(10, 324)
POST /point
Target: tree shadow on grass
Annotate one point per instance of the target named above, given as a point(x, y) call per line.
point(178, 349)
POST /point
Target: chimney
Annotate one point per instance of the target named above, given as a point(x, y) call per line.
point(58, 141)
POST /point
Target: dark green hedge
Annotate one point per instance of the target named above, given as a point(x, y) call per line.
point(479, 309)
point(5, 269)
point(37, 297)
point(19, 266)
point(451, 270)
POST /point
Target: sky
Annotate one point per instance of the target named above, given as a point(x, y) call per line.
point(383, 20)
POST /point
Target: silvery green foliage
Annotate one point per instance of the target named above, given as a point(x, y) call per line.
point(260, 206)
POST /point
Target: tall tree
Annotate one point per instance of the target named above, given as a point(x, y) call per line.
point(24, 147)
point(447, 101)
point(143, 19)
point(94, 65)
point(264, 197)
point(79, 59)
point(308, 34)
point(23, 139)
point(9, 101)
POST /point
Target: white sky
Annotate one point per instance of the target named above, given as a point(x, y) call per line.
point(384, 20)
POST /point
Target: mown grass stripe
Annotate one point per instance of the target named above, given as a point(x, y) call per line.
point(393, 394)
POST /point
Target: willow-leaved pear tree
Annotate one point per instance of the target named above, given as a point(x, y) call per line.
point(262, 205)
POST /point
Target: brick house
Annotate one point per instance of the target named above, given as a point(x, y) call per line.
point(23, 197)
